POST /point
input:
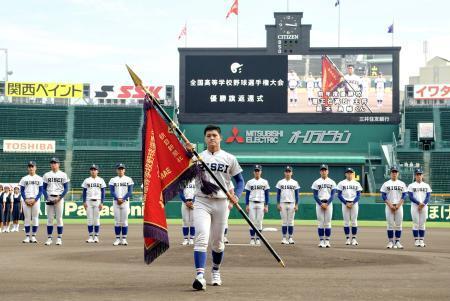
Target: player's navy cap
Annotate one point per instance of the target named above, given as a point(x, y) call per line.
point(394, 168)
point(350, 65)
point(288, 168)
point(31, 163)
point(258, 167)
point(120, 165)
point(54, 160)
point(418, 170)
point(349, 169)
point(93, 166)
point(323, 166)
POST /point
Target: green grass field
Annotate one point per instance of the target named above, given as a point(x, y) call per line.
point(273, 222)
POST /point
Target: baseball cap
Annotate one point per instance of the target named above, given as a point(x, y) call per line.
point(323, 166)
point(394, 168)
point(54, 160)
point(120, 165)
point(258, 167)
point(288, 168)
point(31, 163)
point(349, 169)
point(418, 170)
point(93, 166)
point(350, 65)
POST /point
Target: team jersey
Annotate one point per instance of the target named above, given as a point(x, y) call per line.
point(310, 83)
point(257, 189)
point(224, 166)
point(287, 188)
point(354, 81)
point(93, 187)
point(349, 189)
point(419, 190)
point(55, 182)
point(394, 190)
point(293, 80)
point(189, 191)
point(380, 83)
point(121, 185)
point(31, 185)
point(324, 187)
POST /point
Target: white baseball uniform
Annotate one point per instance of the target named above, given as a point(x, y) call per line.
point(120, 188)
point(394, 191)
point(324, 188)
point(187, 213)
point(293, 81)
point(379, 87)
point(55, 186)
point(93, 200)
point(348, 190)
point(31, 186)
point(419, 193)
point(310, 87)
point(256, 189)
point(287, 190)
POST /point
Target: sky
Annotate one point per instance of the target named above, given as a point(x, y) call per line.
point(89, 41)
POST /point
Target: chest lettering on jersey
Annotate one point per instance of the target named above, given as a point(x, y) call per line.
point(123, 184)
point(257, 187)
point(218, 167)
point(290, 187)
point(92, 185)
point(55, 180)
point(31, 183)
point(190, 186)
point(325, 186)
point(394, 188)
point(420, 189)
point(348, 187)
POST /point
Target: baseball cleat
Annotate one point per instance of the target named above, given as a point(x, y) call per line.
point(252, 242)
point(199, 283)
point(258, 242)
point(191, 241)
point(390, 245)
point(327, 243)
point(422, 243)
point(348, 242)
point(322, 244)
point(354, 242)
point(398, 245)
point(291, 241)
point(33, 239)
point(48, 242)
point(225, 240)
point(58, 241)
point(26, 240)
point(215, 278)
point(284, 241)
point(417, 243)
point(124, 242)
point(90, 240)
point(185, 242)
point(96, 239)
point(116, 242)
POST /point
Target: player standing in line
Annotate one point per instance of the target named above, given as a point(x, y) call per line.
point(17, 209)
point(293, 82)
point(349, 192)
point(6, 200)
point(93, 198)
point(211, 211)
point(56, 185)
point(287, 204)
point(323, 190)
point(187, 196)
point(419, 194)
point(121, 188)
point(310, 88)
point(2, 210)
point(380, 84)
point(257, 201)
point(31, 188)
point(393, 193)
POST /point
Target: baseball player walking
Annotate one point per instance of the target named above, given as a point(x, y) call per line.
point(31, 187)
point(287, 204)
point(210, 211)
point(323, 190)
point(349, 192)
point(56, 185)
point(121, 188)
point(93, 198)
point(187, 196)
point(419, 194)
point(257, 201)
point(393, 193)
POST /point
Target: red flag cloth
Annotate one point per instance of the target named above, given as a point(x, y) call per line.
point(166, 166)
point(183, 32)
point(331, 77)
point(234, 9)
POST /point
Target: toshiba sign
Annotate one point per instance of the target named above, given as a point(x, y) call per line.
point(29, 146)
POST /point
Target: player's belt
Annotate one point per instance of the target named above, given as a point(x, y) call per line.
point(349, 201)
point(94, 200)
point(52, 202)
point(257, 201)
point(324, 201)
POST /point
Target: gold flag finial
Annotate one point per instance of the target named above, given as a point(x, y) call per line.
point(136, 80)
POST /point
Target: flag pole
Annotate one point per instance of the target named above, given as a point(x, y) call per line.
point(138, 83)
point(185, 36)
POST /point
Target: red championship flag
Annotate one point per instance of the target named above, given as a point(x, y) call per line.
point(183, 32)
point(167, 168)
point(234, 9)
point(331, 77)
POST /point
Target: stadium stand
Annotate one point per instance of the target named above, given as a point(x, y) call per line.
point(445, 123)
point(414, 115)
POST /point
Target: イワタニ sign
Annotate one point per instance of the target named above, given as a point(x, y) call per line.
point(44, 90)
point(432, 91)
point(29, 146)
